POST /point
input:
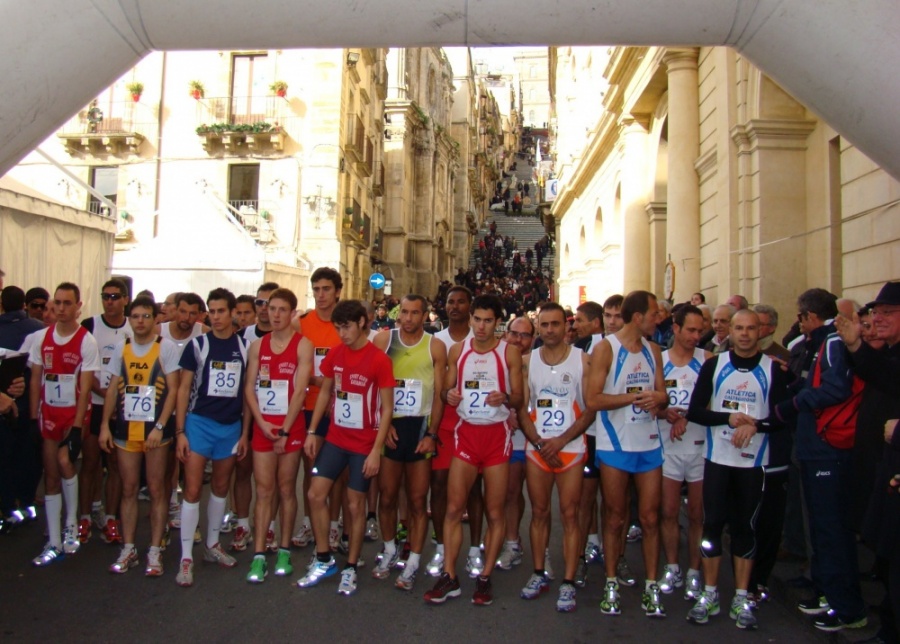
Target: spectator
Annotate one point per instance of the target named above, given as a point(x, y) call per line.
point(768, 322)
point(37, 300)
point(381, 321)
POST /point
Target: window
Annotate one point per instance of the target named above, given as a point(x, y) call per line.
point(243, 187)
point(104, 180)
point(532, 71)
point(249, 88)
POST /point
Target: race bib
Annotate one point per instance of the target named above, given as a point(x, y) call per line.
point(475, 394)
point(320, 354)
point(59, 389)
point(272, 396)
point(224, 379)
point(554, 416)
point(732, 406)
point(638, 415)
point(348, 410)
point(140, 403)
point(679, 392)
point(408, 397)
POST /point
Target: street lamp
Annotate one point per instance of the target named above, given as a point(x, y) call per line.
point(322, 207)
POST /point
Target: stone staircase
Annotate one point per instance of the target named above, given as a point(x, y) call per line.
point(526, 230)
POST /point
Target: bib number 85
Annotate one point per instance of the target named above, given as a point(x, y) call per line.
point(226, 380)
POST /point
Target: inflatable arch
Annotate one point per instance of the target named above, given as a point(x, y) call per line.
point(838, 57)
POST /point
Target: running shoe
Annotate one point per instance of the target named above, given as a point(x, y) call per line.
point(742, 613)
point(217, 554)
point(372, 532)
point(49, 555)
point(259, 570)
point(283, 566)
point(185, 576)
point(334, 539)
point(127, 559)
point(271, 544)
point(651, 602)
point(98, 518)
point(228, 523)
point(484, 592)
point(474, 565)
point(831, 623)
point(581, 573)
point(154, 565)
point(593, 553)
point(30, 513)
point(70, 542)
point(671, 581)
point(406, 579)
point(348, 582)
point(143, 493)
point(445, 588)
point(510, 555)
point(405, 551)
point(241, 539)
point(436, 565)
point(304, 537)
point(814, 606)
point(112, 533)
point(634, 534)
point(382, 569)
point(565, 603)
point(535, 587)
point(84, 530)
point(624, 574)
point(402, 532)
point(317, 572)
point(174, 509)
point(609, 605)
point(692, 587)
point(707, 606)
point(548, 568)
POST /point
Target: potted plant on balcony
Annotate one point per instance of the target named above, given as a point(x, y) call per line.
point(197, 89)
point(280, 88)
point(135, 89)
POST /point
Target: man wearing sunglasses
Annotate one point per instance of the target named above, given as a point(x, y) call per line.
point(109, 329)
point(36, 302)
point(263, 326)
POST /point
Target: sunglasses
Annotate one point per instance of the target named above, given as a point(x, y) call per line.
point(38, 305)
point(261, 302)
point(111, 296)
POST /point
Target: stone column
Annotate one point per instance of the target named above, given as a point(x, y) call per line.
point(683, 216)
point(422, 233)
point(634, 202)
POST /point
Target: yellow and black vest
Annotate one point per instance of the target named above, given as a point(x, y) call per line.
point(141, 371)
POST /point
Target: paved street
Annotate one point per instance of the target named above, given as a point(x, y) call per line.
point(77, 598)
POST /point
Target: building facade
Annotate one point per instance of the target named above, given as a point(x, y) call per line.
point(699, 173)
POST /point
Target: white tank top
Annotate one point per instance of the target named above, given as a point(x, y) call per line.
point(629, 428)
point(680, 383)
point(596, 339)
point(478, 374)
point(167, 334)
point(556, 398)
point(445, 337)
point(739, 391)
point(107, 338)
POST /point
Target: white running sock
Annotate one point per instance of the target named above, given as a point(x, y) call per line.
point(440, 548)
point(190, 519)
point(474, 551)
point(412, 564)
point(215, 510)
point(306, 523)
point(390, 548)
point(594, 539)
point(70, 493)
point(272, 525)
point(173, 499)
point(244, 523)
point(53, 506)
point(673, 568)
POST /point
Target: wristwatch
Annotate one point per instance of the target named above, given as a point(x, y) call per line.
point(281, 432)
point(158, 426)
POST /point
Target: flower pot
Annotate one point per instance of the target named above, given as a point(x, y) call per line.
point(135, 97)
point(281, 93)
point(197, 94)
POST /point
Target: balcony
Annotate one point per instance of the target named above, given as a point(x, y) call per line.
point(357, 227)
point(364, 165)
point(355, 146)
point(254, 220)
point(241, 124)
point(116, 128)
point(378, 183)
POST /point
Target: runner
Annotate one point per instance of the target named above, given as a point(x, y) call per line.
point(209, 426)
point(683, 446)
point(109, 330)
point(420, 362)
point(362, 378)
point(63, 359)
point(245, 311)
point(275, 371)
point(626, 386)
point(484, 381)
point(554, 384)
point(141, 392)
